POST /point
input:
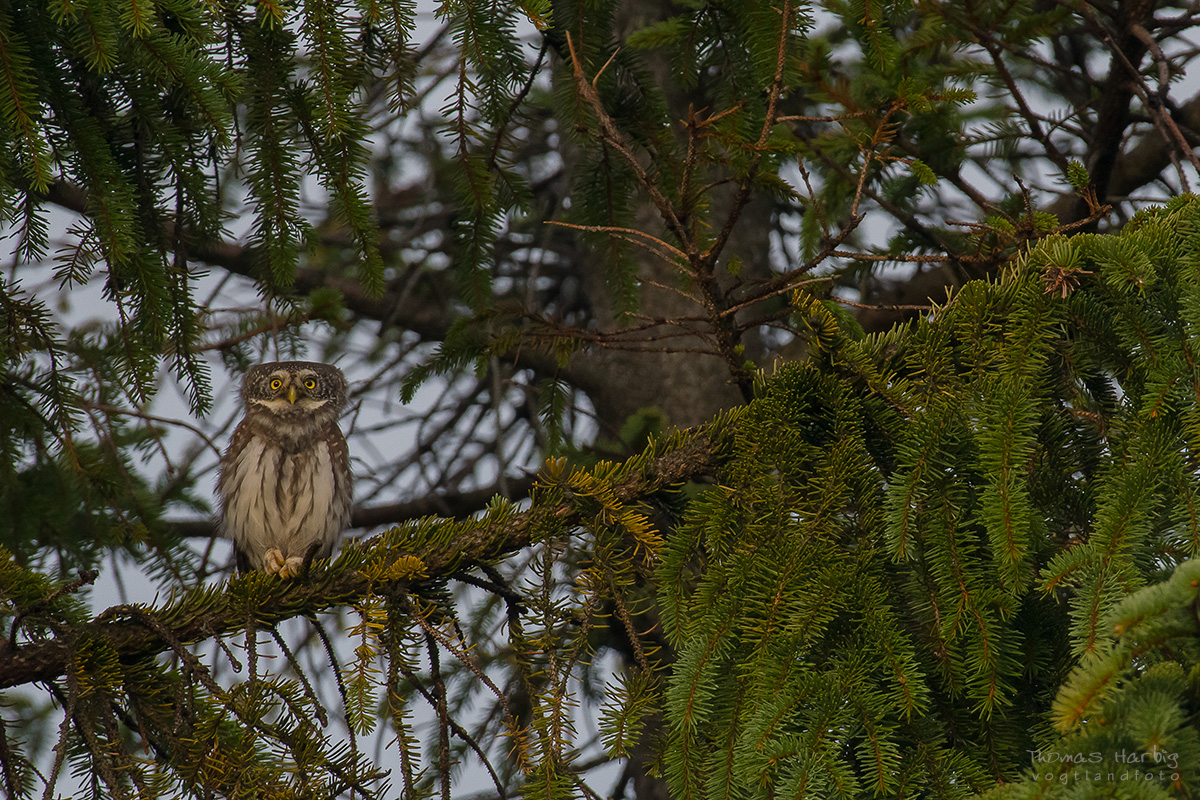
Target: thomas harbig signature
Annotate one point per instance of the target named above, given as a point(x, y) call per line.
point(1120, 765)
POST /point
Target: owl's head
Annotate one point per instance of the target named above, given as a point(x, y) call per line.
point(295, 392)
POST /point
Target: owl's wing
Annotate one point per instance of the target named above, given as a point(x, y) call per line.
point(241, 437)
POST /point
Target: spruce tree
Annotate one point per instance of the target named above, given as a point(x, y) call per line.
point(928, 535)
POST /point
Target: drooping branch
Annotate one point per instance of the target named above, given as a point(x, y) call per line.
point(429, 320)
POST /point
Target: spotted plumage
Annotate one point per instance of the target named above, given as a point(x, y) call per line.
point(285, 481)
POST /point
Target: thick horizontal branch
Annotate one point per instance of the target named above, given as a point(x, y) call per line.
point(209, 612)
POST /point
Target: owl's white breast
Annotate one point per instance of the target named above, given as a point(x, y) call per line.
point(288, 501)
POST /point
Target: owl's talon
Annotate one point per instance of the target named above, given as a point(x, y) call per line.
point(291, 567)
point(274, 562)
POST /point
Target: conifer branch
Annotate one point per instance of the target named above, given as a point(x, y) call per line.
point(790, 279)
point(988, 41)
point(205, 613)
point(611, 135)
point(759, 148)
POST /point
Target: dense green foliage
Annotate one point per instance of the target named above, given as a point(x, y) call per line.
point(917, 548)
point(921, 532)
point(698, 161)
point(923, 557)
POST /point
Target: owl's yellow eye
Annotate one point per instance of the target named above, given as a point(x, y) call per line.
point(310, 384)
point(275, 384)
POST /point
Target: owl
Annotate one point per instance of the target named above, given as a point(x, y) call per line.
point(285, 481)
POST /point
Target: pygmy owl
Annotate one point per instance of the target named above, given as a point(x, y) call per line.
point(285, 480)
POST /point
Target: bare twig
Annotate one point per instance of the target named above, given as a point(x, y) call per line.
point(1153, 102)
point(612, 136)
point(135, 412)
point(988, 41)
point(633, 235)
point(880, 306)
point(759, 148)
point(790, 280)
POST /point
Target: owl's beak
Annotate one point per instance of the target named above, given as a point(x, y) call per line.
point(291, 395)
